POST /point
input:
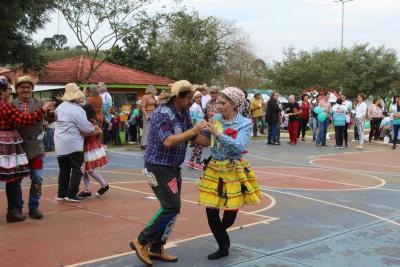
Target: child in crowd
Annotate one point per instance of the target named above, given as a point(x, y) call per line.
point(95, 157)
point(196, 114)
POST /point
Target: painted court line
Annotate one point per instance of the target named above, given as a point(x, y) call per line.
point(361, 163)
point(336, 205)
point(382, 182)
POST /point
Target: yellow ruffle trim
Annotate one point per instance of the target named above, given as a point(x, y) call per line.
point(236, 176)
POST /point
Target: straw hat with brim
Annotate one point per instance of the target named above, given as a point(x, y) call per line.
point(72, 92)
point(180, 87)
point(196, 94)
point(24, 79)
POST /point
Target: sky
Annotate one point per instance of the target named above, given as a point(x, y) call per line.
point(272, 25)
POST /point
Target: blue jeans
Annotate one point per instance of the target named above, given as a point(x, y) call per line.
point(396, 128)
point(35, 192)
point(314, 123)
point(49, 140)
point(323, 127)
point(272, 132)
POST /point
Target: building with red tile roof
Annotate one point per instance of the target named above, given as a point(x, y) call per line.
point(124, 84)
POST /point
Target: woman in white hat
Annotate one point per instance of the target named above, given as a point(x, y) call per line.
point(13, 160)
point(71, 126)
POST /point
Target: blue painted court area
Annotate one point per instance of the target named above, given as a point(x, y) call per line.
point(329, 207)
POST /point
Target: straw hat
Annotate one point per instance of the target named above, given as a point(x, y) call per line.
point(180, 87)
point(24, 79)
point(196, 94)
point(72, 92)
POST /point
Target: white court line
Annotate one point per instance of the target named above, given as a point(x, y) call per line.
point(357, 162)
point(362, 187)
point(170, 244)
point(194, 202)
point(312, 164)
point(336, 205)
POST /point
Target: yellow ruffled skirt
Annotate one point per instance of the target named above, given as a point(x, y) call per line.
point(228, 185)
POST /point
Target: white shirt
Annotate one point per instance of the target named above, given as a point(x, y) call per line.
point(71, 124)
point(204, 100)
point(361, 110)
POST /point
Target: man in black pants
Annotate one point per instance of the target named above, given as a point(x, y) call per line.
point(170, 130)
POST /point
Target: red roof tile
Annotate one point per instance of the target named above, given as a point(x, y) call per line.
point(77, 68)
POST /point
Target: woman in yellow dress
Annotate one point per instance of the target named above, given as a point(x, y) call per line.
point(227, 183)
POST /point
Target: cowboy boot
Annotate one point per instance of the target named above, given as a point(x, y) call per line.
point(162, 255)
point(15, 216)
point(142, 251)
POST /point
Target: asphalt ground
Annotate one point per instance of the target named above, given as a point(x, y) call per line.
point(323, 206)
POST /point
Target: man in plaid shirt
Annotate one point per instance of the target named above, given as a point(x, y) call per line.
point(170, 131)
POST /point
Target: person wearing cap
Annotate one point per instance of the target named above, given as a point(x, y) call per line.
point(257, 113)
point(170, 130)
point(71, 126)
point(212, 105)
point(13, 161)
point(149, 104)
point(197, 115)
point(33, 143)
point(228, 183)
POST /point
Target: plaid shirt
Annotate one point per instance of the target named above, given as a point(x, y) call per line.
point(165, 122)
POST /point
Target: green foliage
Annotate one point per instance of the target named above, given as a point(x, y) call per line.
point(373, 71)
point(179, 46)
point(18, 20)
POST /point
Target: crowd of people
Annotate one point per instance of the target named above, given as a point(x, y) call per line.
point(220, 118)
point(318, 113)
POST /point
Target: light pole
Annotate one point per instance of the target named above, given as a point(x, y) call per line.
point(342, 2)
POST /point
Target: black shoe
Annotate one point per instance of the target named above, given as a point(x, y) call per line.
point(394, 147)
point(218, 254)
point(85, 194)
point(15, 216)
point(102, 190)
point(269, 143)
point(276, 143)
point(35, 214)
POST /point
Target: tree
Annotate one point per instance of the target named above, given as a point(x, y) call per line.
point(179, 45)
point(87, 17)
point(19, 19)
point(372, 71)
point(241, 68)
point(60, 40)
point(49, 43)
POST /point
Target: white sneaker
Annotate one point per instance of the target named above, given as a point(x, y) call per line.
point(74, 199)
point(60, 198)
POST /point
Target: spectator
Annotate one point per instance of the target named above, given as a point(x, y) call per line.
point(293, 111)
point(115, 128)
point(196, 115)
point(360, 115)
point(375, 115)
point(304, 117)
point(349, 118)
point(205, 98)
point(257, 113)
point(273, 118)
point(339, 112)
point(323, 125)
point(107, 104)
point(149, 105)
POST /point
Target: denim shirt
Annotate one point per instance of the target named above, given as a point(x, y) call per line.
point(231, 147)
